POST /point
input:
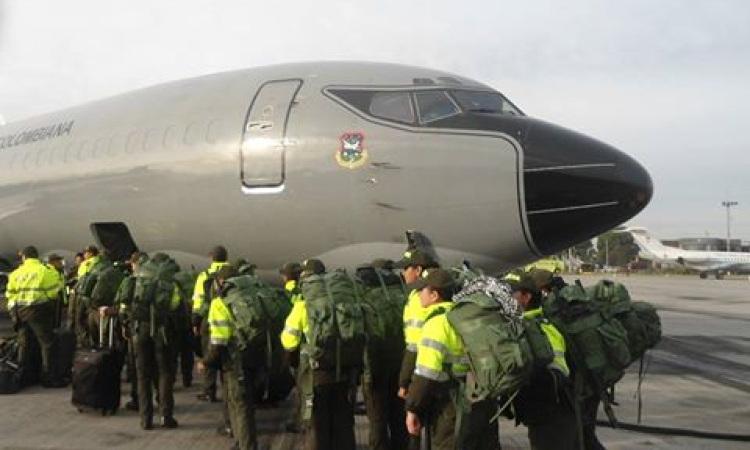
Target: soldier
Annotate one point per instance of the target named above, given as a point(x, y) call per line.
point(331, 424)
point(124, 301)
point(441, 359)
point(412, 265)
point(81, 304)
point(155, 301)
point(544, 405)
point(201, 304)
point(31, 289)
point(238, 372)
point(290, 273)
point(56, 263)
point(384, 292)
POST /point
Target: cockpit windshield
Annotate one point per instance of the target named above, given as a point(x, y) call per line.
point(485, 102)
point(424, 107)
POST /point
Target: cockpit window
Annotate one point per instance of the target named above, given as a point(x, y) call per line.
point(392, 106)
point(435, 105)
point(485, 102)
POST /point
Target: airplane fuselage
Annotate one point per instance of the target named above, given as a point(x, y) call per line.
point(283, 163)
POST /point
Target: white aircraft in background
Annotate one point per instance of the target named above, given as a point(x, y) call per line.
point(706, 262)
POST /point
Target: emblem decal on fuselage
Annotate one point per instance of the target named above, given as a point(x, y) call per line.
point(352, 153)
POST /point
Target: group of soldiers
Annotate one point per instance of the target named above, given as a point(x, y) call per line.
point(411, 388)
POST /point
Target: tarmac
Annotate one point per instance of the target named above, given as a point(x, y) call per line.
point(698, 378)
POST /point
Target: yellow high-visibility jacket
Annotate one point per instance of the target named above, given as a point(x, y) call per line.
point(31, 284)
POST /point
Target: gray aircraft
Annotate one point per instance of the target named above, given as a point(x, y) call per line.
point(333, 160)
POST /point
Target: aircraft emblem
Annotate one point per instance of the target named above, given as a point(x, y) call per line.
point(352, 153)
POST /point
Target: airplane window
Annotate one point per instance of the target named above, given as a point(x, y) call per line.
point(434, 105)
point(392, 106)
point(485, 102)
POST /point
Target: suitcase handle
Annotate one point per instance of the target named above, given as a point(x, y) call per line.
point(103, 322)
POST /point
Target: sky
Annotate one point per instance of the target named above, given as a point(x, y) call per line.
point(666, 81)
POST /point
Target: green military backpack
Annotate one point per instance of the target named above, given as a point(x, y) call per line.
point(597, 342)
point(383, 297)
point(98, 287)
point(153, 292)
point(504, 350)
point(337, 326)
point(640, 319)
point(258, 313)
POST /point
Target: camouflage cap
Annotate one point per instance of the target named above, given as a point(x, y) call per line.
point(434, 278)
point(93, 249)
point(313, 267)
point(542, 278)
point(416, 257)
point(291, 270)
point(521, 282)
point(382, 263)
point(54, 257)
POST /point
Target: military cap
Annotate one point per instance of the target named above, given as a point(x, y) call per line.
point(54, 257)
point(542, 278)
point(93, 249)
point(416, 257)
point(219, 253)
point(434, 278)
point(382, 263)
point(521, 282)
point(313, 267)
point(291, 270)
point(138, 258)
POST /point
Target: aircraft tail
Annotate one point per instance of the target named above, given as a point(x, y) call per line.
point(648, 244)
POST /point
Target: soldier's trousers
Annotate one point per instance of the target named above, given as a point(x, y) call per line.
point(385, 412)
point(154, 358)
point(442, 424)
point(557, 432)
point(210, 376)
point(36, 322)
point(240, 401)
point(186, 355)
point(81, 322)
point(478, 429)
point(332, 423)
point(589, 410)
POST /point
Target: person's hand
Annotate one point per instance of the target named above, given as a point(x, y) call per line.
point(413, 425)
point(200, 366)
point(196, 331)
point(402, 393)
point(106, 311)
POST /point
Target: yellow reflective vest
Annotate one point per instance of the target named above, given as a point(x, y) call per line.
point(296, 326)
point(295, 295)
point(199, 291)
point(554, 337)
point(86, 266)
point(32, 283)
point(221, 322)
point(414, 315)
point(441, 353)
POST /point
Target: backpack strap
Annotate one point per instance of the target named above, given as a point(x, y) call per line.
point(434, 313)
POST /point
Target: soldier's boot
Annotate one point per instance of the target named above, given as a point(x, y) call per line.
point(168, 422)
point(147, 422)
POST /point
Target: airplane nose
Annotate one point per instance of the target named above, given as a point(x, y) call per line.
point(576, 187)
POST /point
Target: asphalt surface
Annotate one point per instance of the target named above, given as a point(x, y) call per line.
point(698, 378)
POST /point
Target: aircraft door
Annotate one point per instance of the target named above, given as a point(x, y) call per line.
point(264, 142)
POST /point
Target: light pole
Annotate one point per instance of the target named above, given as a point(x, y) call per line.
point(728, 206)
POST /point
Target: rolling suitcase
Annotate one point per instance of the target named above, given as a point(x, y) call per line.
point(62, 355)
point(11, 373)
point(96, 376)
point(63, 351)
